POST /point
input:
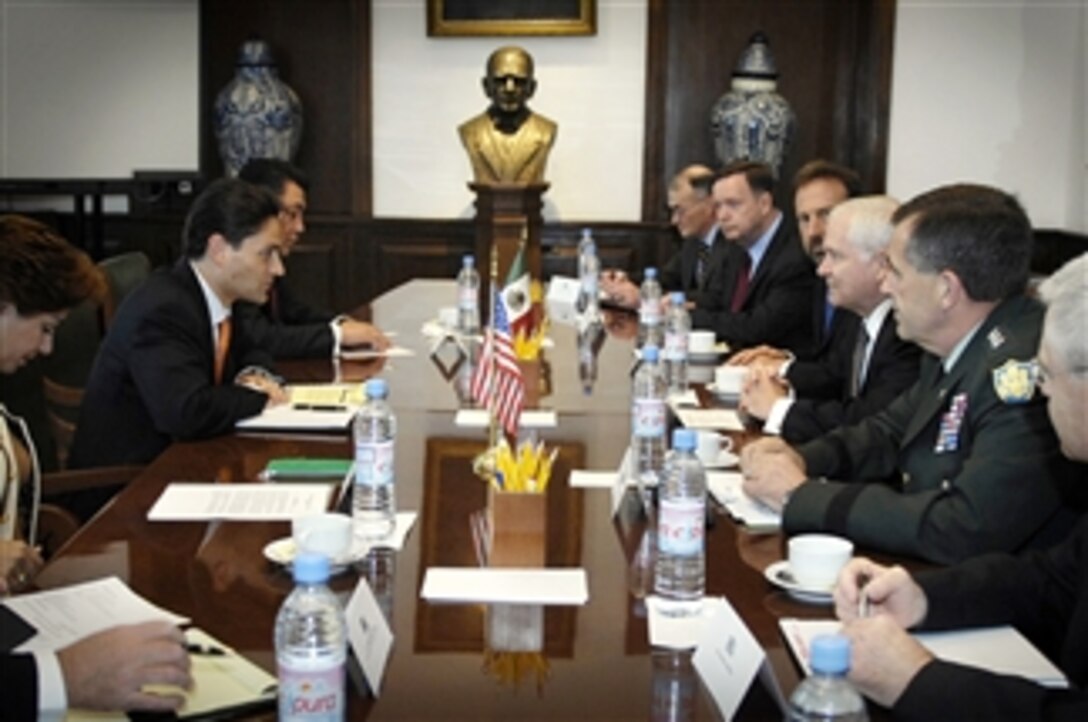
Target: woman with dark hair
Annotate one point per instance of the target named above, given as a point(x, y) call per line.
point(41, 278)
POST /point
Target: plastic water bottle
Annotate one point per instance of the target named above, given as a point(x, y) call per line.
point(649, 310)
point(468, 297)
point(589, 271)
point(826, 695)
point(373, 505)
point(648, 422)
point(311, 647)
point(675, 686)
point(677, 328)
point(680, 576)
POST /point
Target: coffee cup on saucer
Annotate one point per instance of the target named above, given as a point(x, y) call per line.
point(326, 534)
point(701, 343)
point(709, 446)
point(729, 379)
point(816, 559)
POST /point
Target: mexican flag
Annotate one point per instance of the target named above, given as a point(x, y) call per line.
point(516, 297)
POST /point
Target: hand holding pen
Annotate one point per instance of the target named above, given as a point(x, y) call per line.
point(865, 588)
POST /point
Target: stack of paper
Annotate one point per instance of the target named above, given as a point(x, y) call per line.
point(726, 488)
point(1001, 650)
point(514, 586)
point(239, 502)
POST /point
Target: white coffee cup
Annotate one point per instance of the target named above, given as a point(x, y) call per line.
point(816, 559)
point(447, 316)
point(701, 342)
point(327, 534)
point(709, 446)
point(700, 374)
point(728, 379)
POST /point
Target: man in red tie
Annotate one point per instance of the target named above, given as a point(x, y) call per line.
point(767, 297)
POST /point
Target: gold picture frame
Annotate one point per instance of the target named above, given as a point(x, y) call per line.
point(511, 17)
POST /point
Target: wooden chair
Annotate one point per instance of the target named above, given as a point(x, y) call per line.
point(62, 409)
point(56, 525)
point(123, 273)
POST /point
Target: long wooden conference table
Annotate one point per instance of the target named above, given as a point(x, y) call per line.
point(600, 663)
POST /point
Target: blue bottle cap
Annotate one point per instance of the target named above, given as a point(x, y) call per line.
point(377, 389)
point(651, 272)
point(678, 298)
point(830, 654)
point(468, 260)
point(310, 568)
point(649, 353)
point(683, 439)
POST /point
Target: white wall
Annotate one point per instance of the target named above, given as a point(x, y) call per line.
point(593, 87)
point(97, 88)
point(993, 91)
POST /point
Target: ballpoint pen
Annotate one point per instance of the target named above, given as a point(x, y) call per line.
point(205, 650)
point(318, 407)
point(863, 597)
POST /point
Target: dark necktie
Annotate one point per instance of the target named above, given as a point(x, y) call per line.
point(274, 303)
point(740, 290)
point(857, 363)
point(702, 264)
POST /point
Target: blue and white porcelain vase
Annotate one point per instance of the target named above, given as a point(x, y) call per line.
point(752, 121)
point(257, 115)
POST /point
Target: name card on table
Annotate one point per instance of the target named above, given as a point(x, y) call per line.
point(515, 586)
point(369, 633)
point(530, 419)
point(727, 656)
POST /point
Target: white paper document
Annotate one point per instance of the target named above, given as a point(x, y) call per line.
point(687, 398)
point(182, 501)
point(302, 417)
point(583, 479)
point(369, 633)
point(530, 419)
point(326, 394)
point(566, 587)
point(726, 488)
point(727, 657)
point(718, 419)
point(402, 524)
point(67, 614)
point(366, 354)
point(1001, 650)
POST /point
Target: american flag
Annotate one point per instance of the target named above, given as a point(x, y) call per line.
point(497, 381)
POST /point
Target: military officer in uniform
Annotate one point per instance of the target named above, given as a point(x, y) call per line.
point(975, 460)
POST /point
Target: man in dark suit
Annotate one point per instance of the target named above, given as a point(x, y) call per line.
point(175, 365)
point(1045, 595)
point(284, 325)
point(977, 459)
point(768, 291)
point(856, 375)
point(818, 187)
point(698, 268)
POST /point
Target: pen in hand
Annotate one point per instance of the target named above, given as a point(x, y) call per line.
point(863, 596)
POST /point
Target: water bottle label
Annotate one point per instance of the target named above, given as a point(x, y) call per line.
point(311, 695)
point(649, 417)
point(676, 346)
point(374, 463)
point(466, 298)
point(680, 526)
point(649, 312)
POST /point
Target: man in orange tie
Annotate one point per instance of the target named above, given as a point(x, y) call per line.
point(175, 365)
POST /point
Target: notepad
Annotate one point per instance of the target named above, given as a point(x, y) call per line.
point(1001, 650)
point(725, 486)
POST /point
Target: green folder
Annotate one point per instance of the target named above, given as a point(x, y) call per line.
point(296, 468)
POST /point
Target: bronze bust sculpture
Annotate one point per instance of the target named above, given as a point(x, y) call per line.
point(508, 143)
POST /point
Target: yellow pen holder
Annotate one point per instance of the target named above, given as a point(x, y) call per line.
point(519, 528)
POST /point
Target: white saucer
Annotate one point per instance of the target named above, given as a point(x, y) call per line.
point(282, 551)
point(726, 460)
point(708, 357)
point(779, 575)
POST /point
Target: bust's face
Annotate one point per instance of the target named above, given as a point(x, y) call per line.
point(509, 82)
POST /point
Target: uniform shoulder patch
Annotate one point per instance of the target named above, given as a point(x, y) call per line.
point(1014, 381)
